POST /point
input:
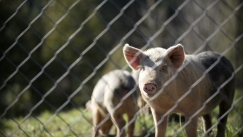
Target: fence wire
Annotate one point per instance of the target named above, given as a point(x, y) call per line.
point(53, 52)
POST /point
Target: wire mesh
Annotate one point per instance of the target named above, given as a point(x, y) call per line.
point(53, 52)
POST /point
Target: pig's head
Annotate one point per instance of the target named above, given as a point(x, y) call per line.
point(155, 65)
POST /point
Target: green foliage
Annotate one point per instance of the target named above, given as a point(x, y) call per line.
point(52, 53)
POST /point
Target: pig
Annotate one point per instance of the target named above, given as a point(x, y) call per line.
point(171, 81)
point(115, 94)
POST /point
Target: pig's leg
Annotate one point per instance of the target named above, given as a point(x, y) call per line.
point(131, 109)
point(207, 123)
point(224, 106)
point(120, 123)
point(104, 128)
point(191, 128)
point(160, 125)
point(96, 121)
point(130, 129)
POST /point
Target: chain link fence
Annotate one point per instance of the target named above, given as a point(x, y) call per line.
point(53, 52)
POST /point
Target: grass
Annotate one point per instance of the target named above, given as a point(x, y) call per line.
point(71, 123)
point(78, 122)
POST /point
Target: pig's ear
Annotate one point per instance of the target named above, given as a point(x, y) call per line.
point(132, 56)
point(176, 54)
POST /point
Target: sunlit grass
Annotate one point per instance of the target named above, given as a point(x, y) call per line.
point(69, 123)
point(78, 122)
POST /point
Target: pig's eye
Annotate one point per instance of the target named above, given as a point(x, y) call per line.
point(163, 68)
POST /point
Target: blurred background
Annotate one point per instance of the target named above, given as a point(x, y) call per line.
point(52, 52)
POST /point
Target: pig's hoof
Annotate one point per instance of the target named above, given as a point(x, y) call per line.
point(150, 88)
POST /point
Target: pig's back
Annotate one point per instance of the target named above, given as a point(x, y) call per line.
point(113, 83)
point(221, 67)
point(119, 80)
point(221, 71)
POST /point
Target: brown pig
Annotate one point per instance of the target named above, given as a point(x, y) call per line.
point(192, 85)
point(114, 94)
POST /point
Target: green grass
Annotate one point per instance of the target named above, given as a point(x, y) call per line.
point(78, 122)
point(71, 123)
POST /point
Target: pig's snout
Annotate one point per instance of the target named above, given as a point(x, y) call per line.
point(150, 88)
